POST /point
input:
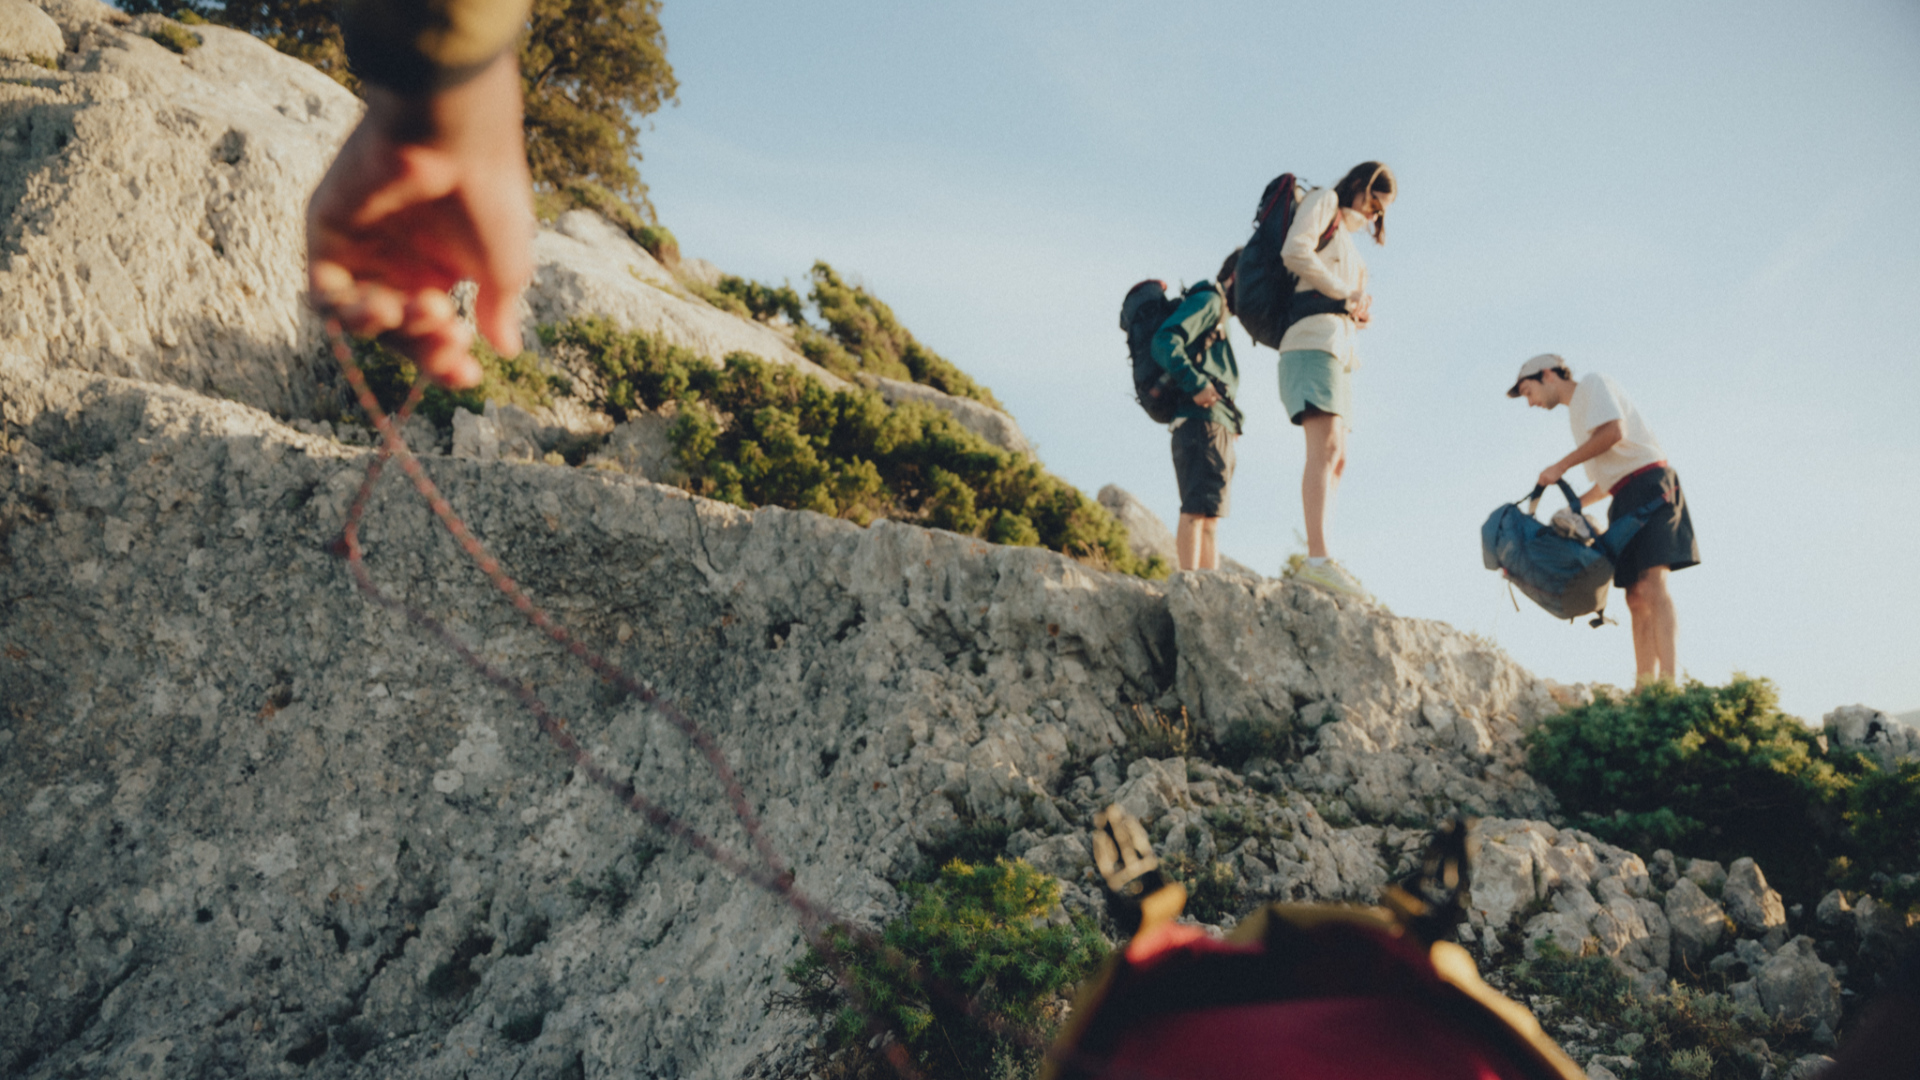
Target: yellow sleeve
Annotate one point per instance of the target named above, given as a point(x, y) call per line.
point(415, 46)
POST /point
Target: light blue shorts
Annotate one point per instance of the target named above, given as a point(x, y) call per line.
point(1316, 378)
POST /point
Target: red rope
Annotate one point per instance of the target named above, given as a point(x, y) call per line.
point(772, 874)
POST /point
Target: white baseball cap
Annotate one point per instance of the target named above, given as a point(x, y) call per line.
point(1546, 361)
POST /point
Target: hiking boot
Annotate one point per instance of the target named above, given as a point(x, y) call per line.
point(1332, 577)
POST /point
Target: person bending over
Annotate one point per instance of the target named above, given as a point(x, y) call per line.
point(1317, 356)
point(1624, 461)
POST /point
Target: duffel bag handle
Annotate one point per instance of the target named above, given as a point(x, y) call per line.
point(1533, 497)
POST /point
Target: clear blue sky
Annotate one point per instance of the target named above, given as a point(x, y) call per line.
point(1711, 202)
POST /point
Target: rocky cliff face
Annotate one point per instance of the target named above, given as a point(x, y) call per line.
point(253, 824)
point(233, 781)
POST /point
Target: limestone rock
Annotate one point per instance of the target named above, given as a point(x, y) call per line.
point(152, 218)
point(982, 419)
point(702, 271)
point(1872, 732)
point(1698, 924)
point(27, 33)
point(475, 436)
point(1153, 788)
point(1807, 1067)
point(1664, 869)
point(1504, 878)
point(1249, 649)
point(1795, 985)
point(1146, 533)
point(1707, 874)
point(1833, 912)
point(1754, 908)
point(641, 447)
point(587, 266)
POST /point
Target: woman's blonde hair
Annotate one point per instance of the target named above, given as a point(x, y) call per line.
point(1368, 176)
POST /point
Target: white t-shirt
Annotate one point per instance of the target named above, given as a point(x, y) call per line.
point(1596, 400)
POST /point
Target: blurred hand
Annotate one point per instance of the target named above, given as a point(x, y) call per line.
point(425, 193)
point(1207, 398)
point(1361, 308)
point(1551, 475)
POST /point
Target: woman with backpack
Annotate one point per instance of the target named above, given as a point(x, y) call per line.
point(1317, 354)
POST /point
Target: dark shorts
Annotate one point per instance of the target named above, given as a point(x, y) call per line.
point(1667, 537)
point(1203, 467)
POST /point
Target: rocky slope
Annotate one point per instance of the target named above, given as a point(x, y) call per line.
point(152, 221)
point(245, 808)
point(257, 825)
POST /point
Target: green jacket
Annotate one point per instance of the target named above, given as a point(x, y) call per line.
point(1201, 311)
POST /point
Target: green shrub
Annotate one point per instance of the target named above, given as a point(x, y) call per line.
point(660, 244)
point(1882, 814)
point(1160, 735)
point(174, 36)
point(762, 302)
point(513, 380)
point(866, 337)
point(1688, 1035)
point(980, 931)
point(1213, 889)
point(1261, 737)
point(1718, 772)
point(756, 434)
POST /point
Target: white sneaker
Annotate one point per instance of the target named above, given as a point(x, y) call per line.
point(1332, 577)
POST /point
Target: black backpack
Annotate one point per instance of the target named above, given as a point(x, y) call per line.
point(1142, 313)
point(1263, 288)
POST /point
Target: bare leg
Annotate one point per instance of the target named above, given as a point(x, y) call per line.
point(1209, 548)
point(1656, 627)
point(1326, 463)
point(1187, 540)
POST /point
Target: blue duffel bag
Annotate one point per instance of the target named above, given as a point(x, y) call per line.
point(1568, 577)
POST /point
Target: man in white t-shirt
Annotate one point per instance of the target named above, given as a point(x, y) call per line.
point(1624, 461)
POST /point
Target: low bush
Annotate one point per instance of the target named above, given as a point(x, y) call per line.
point(1721, 772)
point(660, 244)
point(516, 380)
point(755, 434)
point(763, 302)
point(1681, 1035)
point(174, 36)
point(1213, 888)
point(976, 938)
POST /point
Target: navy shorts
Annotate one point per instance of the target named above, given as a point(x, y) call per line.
point(1667, 537)
point(1203, 466)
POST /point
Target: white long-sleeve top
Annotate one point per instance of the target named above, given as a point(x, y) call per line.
point(1336, 271)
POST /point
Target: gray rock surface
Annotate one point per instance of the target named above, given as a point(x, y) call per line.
point(983, 420)
point(27, 33)
point(151, 220)
point(1707, 874)
point(1872, 732)
point(1146, 533)
point(1698, 924)
point(1795, 984)
point(586, 265)
point(1754, 908)
point(1391, 736)
point(234, 783)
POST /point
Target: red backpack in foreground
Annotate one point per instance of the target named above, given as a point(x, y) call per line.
point(1297, 991)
